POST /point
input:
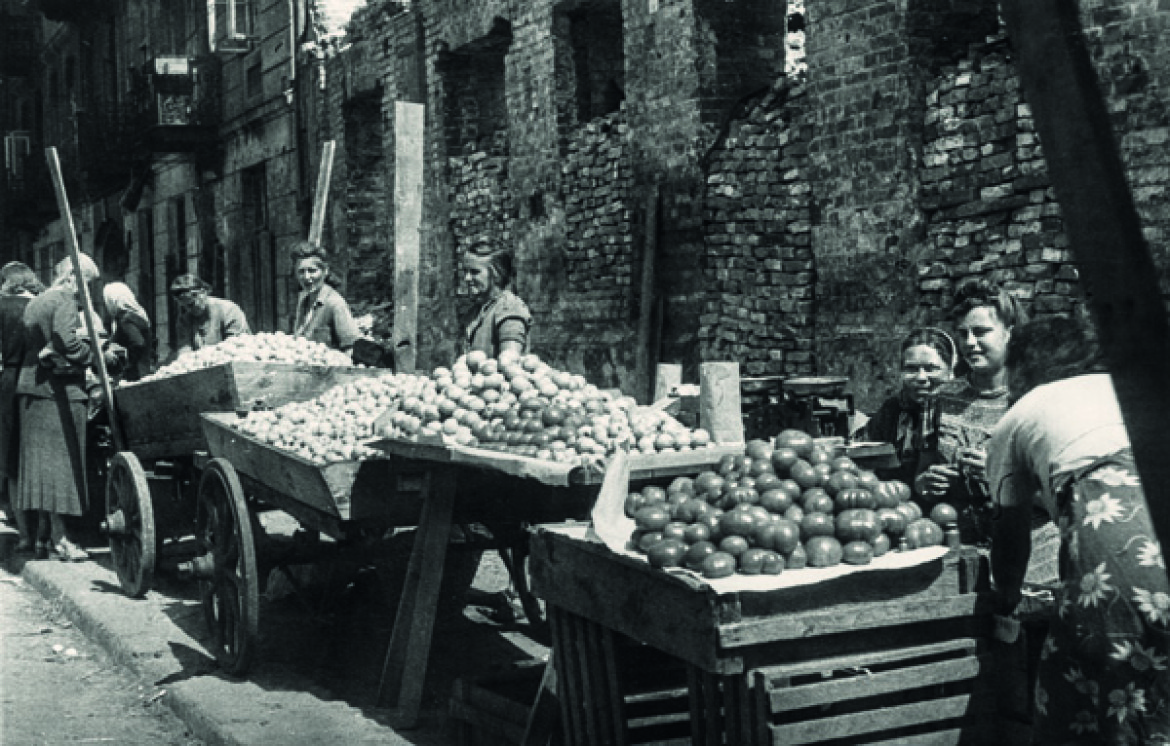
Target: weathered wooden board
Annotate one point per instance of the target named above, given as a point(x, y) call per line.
point(160, 418)
point(409, 137)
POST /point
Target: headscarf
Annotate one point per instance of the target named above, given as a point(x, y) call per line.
point(119, 297)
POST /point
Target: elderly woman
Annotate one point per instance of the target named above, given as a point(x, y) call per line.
point(203, 320)
point(321, 315)
point(130, 330)
point(984, 315)
point(500, 321)
point(18, 285)
point(52, 406)
point(1104, 671)
point(910, 419)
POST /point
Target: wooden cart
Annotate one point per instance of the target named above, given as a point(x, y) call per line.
point(148, 485)
point(882, 656)
point(347, 500)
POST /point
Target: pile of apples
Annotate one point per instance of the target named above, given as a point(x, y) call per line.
point(334, 426)
point(786, 505)
point(519, 404)
point(264, 347)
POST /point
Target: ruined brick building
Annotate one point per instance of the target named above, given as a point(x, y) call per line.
point(676, 184)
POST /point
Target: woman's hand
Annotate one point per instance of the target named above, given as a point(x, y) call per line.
point(974, 460)
point(936, 481)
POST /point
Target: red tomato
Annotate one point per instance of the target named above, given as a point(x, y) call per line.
point(667, 553)
point(855, 498)
point(698, 552)
point(689, 510)
point(840, 480)
point(761, 466)
point(930, 534)
point(758, 449)
point(783, 459)
point(634, 501)
point(685, 485)
point(823, 551)
point(858, 524)
point(844, 463)
point(708, 482)
point(697, 532)
point(794, 514)
point(803, 473)
point(734, 545)
point(816, 500)
point(737, 523)
point(751, 561)
point(786, 537)
point(797, 440)
point(776, 501)
point(674, 530)
point(816, 524)
point(652, 517)
point(728, 464)
point(944, 513)
point(867, 480)
point(893, 521)
point(886, 495)
point(881, 545)
point(820, 456)
point(797, 559)
point(773, 563)
point(647, 539)
point(910, 510)
point(767, 481)
point(857, 553)
point(718, 565)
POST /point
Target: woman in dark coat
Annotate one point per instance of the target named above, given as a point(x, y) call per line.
point(130, 330)
point(52, 405)
point(18, 285)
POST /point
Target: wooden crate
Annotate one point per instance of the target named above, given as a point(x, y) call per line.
point(881, 656)
point(160, 418)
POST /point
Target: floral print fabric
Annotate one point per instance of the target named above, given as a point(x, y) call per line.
point(1104, 673)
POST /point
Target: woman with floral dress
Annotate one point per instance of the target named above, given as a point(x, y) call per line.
point(1104, 671)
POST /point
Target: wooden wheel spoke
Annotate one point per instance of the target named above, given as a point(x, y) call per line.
point(131, 539)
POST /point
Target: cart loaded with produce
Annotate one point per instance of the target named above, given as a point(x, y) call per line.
point(149, 480)
point(505, 442)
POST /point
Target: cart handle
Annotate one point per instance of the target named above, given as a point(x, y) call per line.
point(83, 290)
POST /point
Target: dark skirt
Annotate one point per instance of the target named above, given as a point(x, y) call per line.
point(9, 423)
point(1104, 674)
point(52, 455)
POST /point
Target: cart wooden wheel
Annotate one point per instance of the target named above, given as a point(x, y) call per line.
point(226, 569)
point(129, 524)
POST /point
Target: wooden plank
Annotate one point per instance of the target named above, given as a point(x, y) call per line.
point(851, 619)
point(871, 721)
point(321, 196)
point(696, 703)
point(948, 737)
point(409, 131)
point(1103, 227)
point(542, 717)
point(612, 683)
point(83, 293)
point(644, 354)
point(720, 409)
point(565, 650)
point(485, 722)
point(404, 671)
point(875, 684)
point(968, 645)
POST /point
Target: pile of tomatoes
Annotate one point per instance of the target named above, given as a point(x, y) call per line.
point(783, 505)
point(519, 404)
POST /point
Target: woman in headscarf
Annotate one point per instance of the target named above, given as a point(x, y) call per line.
point(18, 285)
point(131, 330)
point(910, 419)
point(52, 403)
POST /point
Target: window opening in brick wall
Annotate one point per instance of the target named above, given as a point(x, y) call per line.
point(255, 265)
point(795, 57)
point(590, 61)
point(476, 111)
point(740, 52)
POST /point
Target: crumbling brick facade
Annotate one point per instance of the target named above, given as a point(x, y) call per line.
point(805, 225)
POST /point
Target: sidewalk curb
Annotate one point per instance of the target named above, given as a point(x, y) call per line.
point(219, 710)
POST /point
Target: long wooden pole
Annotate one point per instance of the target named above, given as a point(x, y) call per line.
point(644, 354)
point(83, 291)
point(321, 198)
point(1103, 227)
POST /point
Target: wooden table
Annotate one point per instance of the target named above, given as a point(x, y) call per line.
point(482, 486)
point(775, 667)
